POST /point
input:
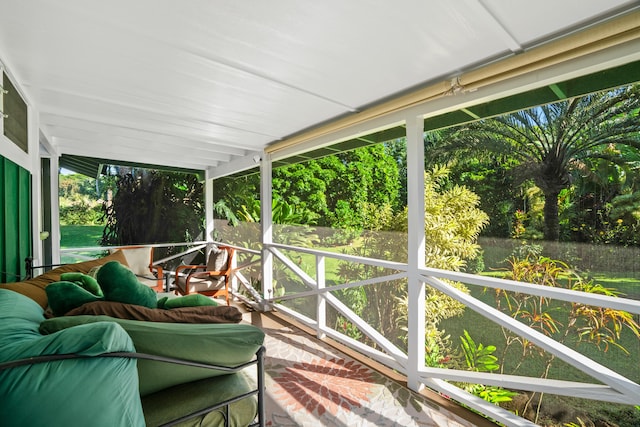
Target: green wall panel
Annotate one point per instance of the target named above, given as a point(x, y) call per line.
point(15, 220)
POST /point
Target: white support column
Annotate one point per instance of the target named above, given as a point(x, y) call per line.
point(322, 299)
point(55, 209)
point(33, 137)
point(208, 207)
point(416, 249)
point(45, 149)
point(266, 222)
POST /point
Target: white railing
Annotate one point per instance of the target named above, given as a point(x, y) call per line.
point(614, 388)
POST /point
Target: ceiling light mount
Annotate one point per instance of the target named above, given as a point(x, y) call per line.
point(456, 87)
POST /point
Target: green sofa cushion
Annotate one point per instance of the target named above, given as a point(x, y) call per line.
point(20, 338)
point(98, 391)
point(65, 296)
point(191, 300)
point(166, 405)
point(220, 344)
point(85, 281)
point(120, 284)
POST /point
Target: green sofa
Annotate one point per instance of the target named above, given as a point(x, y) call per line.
point(103, 371)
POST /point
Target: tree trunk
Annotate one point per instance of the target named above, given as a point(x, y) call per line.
point(551, 223)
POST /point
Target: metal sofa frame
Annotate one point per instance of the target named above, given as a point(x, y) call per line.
point(259, 391)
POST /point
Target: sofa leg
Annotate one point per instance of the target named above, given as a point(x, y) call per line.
point(261, 387)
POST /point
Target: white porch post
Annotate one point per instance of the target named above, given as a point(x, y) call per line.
point(46, 150)
point(322, 298)
point(208, 206)
point(416, 249)
point(35, 168)
point(54, 233)
point(266, 221)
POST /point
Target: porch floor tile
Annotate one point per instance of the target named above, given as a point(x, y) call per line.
point(311, 383)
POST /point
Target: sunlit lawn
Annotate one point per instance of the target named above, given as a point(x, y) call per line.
point(78, 236)
point(308, 261)
point(488, 333)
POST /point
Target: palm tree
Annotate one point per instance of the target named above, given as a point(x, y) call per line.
point(550, 141)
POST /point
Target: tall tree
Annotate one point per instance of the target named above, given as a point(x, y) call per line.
point(154, 207)
point(549, 141)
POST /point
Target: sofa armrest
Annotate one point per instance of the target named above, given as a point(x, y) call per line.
point(85, 340)
point(95, 391)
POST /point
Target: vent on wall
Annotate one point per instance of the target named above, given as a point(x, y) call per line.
point(14, 114)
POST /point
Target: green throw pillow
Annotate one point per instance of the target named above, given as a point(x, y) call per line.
point(191, 300)
point(83, 280)
point(119, 284)
point(65, 296)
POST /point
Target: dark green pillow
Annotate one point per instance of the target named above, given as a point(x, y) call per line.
point(191, 300)
point(65, 296)
point(83, 280)
point(119, 284)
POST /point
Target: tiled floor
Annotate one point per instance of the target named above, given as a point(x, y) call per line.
point(310, 383)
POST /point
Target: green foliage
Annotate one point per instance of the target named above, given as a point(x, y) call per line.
point(293, 221)
point(231, 193)
point(434, 352)
point(565, 322)
point(347, 328)
point(154, 207)
point(76, 185)
point(491, 394)
point(81, 211)
point(550, 142)
point(79, 202)
point(336, 188)
point(478, 357)
point(452, 224)
point(332, 191)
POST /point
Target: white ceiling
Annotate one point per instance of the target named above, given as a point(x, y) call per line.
point(200, 83)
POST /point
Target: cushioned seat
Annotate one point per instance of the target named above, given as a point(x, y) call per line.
point(167, 405)
point(46, 394)
point(211, 279)
point(235, 344)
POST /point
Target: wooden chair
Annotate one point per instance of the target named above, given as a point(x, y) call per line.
point(212, 279)
point(140, 261)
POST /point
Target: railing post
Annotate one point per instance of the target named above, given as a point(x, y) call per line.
point(266, 221)
point(322, 300)
point(416, 250)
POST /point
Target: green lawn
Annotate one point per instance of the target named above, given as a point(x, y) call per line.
point(77, 236)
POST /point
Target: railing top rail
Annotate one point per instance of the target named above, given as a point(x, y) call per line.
point(352, 258)
point(238, 248)
point(632, 306)
point(157, 245)
point(153, 245)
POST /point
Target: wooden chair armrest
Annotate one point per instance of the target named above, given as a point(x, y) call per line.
point(189, 267)
point(218, 273)
point(157, 269)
